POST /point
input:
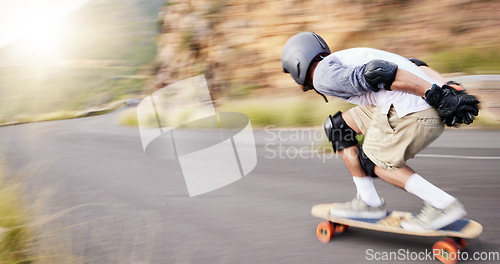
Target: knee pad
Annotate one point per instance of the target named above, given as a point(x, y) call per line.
point(380, 74)
point(339, 133)
point(418, 62)
point(366, 163)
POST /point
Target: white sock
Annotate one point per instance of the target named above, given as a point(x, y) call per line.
point(366, 190)
point(428, 192)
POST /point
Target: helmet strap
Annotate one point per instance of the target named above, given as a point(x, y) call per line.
point(324, 97)
point(318, 57)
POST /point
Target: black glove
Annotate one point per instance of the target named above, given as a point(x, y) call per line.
point(455, 107)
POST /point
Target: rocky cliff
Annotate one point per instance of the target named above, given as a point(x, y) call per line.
point(237, 44)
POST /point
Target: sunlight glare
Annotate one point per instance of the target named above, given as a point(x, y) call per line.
point(44, 38)
point(36, 24)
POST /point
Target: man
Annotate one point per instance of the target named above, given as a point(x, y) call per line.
point(401, 110)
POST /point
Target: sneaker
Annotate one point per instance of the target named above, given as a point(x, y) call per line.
point(431, 218)
point(357, 208)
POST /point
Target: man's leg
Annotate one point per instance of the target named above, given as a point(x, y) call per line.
point(405, 178)
point(364, 183)
point(443, 208)
point(440, 209)
point(367, 204)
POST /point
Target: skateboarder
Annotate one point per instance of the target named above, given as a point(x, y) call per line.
point(401, 107)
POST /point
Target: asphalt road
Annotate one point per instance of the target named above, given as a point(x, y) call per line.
point(113, 204)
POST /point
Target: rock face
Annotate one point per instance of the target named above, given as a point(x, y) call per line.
point(237, 44)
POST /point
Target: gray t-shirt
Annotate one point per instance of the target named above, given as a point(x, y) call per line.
point(341, 75)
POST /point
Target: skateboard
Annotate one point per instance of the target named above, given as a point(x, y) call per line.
point(445, 250)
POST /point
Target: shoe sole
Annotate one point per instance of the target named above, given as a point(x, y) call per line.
point(362, 215)
point(440, 222)
point(447, 219)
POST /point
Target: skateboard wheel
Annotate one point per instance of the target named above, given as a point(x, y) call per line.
point(339, 228)
point(325, 231)
point(459, 243)
point(445, 252)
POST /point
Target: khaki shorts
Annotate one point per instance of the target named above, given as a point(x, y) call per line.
point(389, 140)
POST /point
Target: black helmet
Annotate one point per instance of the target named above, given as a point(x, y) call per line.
point(298, 53)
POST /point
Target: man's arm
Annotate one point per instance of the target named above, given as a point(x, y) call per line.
point(344, 82)
point(408, 82)
point(453, 106)
point(380, 74)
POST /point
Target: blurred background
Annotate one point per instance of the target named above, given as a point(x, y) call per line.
point(58, 58)
point(99, 199)
point(61, 57)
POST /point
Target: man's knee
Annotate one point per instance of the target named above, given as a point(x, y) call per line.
point(339, 132)
point(348, 118)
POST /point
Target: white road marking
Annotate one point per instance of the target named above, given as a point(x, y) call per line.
point(319, 153)
point(456, 157)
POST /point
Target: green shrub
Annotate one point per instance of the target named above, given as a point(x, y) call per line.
point(15, 239)
point(466, 60)
point(285, 112)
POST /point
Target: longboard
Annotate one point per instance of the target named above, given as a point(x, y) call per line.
point(456, 233)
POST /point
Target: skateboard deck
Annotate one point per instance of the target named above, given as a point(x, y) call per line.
point(455, 233)
point(463, 228)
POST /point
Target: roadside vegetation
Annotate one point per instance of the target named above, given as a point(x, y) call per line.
point(279, 112)
point(27, 235)
point(466, 60)
point(286, 112)
point(16, 238)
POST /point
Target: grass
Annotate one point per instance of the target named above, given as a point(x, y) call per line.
point(128, 118)
point(26, 233)
point(466, 60)
point(285, 112)
point(278, 112)
point(15, 234)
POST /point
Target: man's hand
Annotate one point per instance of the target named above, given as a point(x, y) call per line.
point(455, 107)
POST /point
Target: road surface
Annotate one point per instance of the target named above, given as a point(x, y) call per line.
point(116, 205)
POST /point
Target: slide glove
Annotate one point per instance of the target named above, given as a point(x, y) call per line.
point(455, 107)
